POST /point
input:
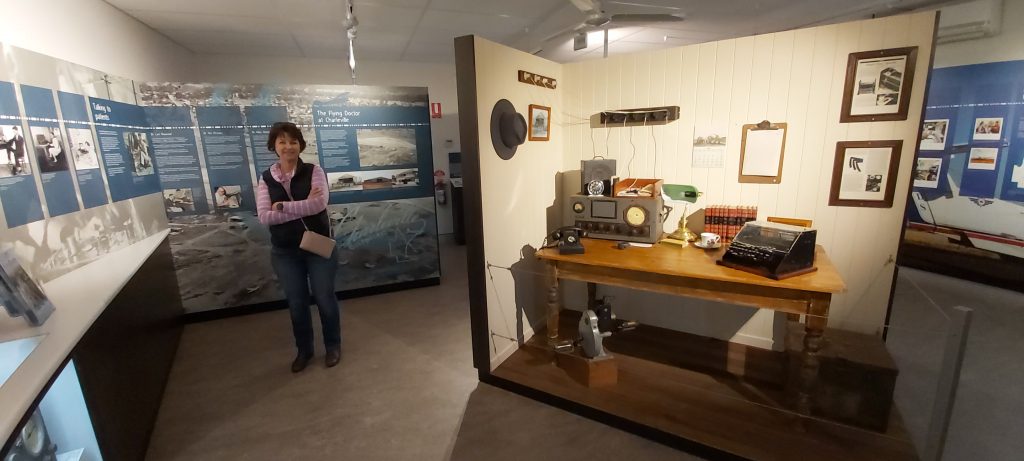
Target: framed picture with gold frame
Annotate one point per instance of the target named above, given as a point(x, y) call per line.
point(864, 173)
point(540, 123)
point(878, 85)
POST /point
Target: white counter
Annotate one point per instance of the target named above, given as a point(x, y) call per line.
point(79, 297)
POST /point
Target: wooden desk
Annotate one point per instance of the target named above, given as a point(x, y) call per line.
point(690, 271)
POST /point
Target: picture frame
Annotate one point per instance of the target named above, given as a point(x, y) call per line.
point(864, 173)
point(879, 85)
point(539, 123)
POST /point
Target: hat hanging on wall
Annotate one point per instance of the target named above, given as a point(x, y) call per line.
point(508, 129)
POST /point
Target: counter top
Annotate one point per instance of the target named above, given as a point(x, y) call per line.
point(79, 297)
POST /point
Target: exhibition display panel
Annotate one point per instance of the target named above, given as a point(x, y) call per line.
point(763, 330)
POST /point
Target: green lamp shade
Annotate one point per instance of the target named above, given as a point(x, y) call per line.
point(680, 192)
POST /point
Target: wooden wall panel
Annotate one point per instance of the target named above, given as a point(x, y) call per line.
point(795, 77)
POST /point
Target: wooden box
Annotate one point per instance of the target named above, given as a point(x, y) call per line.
point(856, 379)
point(624, 184)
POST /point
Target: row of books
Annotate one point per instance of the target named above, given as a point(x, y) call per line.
point(727, 220)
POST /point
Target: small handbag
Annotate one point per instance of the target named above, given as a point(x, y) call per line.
point(314, 242)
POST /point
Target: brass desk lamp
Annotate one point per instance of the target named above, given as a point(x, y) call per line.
point(680, 193)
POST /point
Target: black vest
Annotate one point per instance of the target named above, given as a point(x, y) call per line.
point(289, 234)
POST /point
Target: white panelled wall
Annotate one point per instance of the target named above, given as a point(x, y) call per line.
point(795, 77)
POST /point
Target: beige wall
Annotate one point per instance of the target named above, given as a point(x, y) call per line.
point(94, 34)
point(795, 77)
point(517, 194)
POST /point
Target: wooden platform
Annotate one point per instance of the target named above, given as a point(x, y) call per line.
point(716, 410)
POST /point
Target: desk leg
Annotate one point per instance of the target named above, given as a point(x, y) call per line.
point(591, 295)
point(553, 305)
point(814, 330)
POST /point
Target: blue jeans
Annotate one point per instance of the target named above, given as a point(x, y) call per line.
point(298, 271)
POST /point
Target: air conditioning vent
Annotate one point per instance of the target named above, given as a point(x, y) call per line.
point(969, 21)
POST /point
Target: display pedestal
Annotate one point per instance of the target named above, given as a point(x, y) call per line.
point(596, 372)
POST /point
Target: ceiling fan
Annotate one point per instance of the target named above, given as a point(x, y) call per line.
point(598, 18)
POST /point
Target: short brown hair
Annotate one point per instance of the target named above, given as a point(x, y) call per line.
point(280, 128)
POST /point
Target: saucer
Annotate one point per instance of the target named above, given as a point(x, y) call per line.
point(709, 247)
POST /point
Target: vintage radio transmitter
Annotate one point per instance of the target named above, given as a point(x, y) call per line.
point(632, 219)
point(773, 250)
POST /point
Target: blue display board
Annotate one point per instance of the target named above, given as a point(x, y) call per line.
point(373, 152)
point(18, 192)
point(258, 120)
point(124, 145)
point(982, 104)
point(177, 159)
point(227, 165)
point(50, 151)
point(81, 145)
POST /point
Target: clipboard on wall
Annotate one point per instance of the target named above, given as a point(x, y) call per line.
point(761, 153)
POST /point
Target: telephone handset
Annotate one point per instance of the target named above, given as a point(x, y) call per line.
point(567, 239)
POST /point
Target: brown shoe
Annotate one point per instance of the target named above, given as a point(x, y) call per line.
point(300, 362)
point(332, 358)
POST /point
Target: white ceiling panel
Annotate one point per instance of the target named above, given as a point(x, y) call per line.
point(423, 30)
point(249, 43)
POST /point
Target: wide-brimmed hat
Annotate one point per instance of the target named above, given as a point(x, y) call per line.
point(508, 129)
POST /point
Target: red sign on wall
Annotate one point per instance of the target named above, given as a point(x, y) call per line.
point(435, 110)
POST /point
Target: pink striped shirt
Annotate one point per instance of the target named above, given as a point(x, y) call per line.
point(314, 204)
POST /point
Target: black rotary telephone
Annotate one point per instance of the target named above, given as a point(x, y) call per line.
point(567, 239)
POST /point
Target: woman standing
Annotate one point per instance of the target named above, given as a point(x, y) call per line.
point(292, 198)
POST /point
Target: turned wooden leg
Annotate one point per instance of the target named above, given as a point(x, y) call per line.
point(814, 330)
point(554, 306)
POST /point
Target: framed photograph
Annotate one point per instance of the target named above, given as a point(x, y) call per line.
point(983, 158)
point(988, 129)
point(864, 173)
point(878, 85)
point(926, 172)
point(933, 134)
point(540, 123)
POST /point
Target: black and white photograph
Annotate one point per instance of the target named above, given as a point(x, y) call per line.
point(14, 160)
point(345, 181)
point(138, 146)
point(386, 146)
point(983, 158)
point(179, 201)
point(864, 173)
point(933, 134)
point(540, 123)
point(83, 149)
point(20, 293)
point(926, 172)
point(378, 243)
point(988, 129)
point(51, 156)
point(227, 196)
point(878, 85)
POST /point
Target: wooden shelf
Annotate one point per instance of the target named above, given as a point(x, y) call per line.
point(745, 417)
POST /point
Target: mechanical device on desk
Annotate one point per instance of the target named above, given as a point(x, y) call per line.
point(773, 250)
point(632, 219)
point(597, 324)
point(567, 239)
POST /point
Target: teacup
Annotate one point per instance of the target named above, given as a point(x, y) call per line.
point(709, 239)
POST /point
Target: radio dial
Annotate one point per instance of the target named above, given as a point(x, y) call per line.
point(578, 207)
point(635, 216)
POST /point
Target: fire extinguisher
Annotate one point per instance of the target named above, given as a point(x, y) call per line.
point(440, 192)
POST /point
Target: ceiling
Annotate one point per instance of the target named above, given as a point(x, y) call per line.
point(422, 30)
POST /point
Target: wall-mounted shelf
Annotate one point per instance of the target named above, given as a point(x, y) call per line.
point(644, 115)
